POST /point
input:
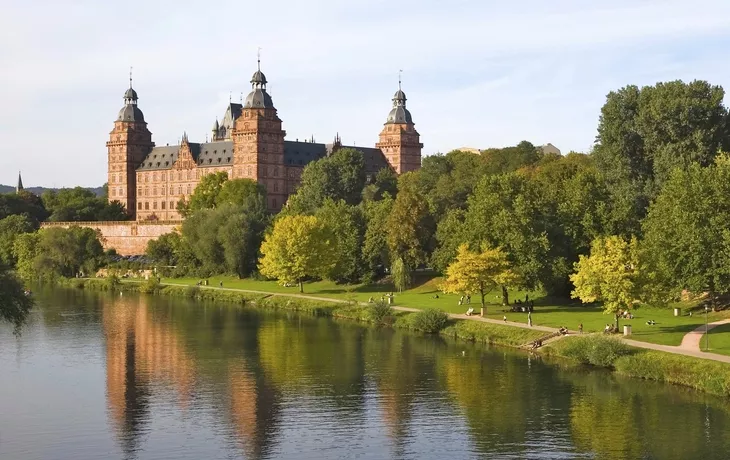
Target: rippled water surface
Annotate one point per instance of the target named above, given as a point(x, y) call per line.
point(130, 377)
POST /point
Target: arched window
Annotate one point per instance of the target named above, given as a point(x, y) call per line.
point(179, 189)
point(172, 190)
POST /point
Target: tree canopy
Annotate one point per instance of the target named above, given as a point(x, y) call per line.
point(609, 274)
point(479, 272)
point(298, 247)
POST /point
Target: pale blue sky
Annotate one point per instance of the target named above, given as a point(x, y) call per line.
point(477, 73)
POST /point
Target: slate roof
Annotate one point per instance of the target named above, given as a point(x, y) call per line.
point(205, 155)
point(301, 153)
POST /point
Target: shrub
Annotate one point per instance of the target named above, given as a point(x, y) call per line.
point(379, 311)
point(151, 286)
point(430, 320)
point(112, 283)
point(596, 350)
point(192, 292)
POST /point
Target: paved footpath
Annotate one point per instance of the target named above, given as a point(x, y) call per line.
point(689, 346)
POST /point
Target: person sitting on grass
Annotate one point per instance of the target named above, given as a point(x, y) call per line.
point(470, 311)
point(504, 318)
point(607, 329)
point(371, 300)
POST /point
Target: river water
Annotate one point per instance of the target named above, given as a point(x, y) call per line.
point(97, 376)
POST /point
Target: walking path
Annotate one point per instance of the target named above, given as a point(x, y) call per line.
point(692, 340)
point(689, 347)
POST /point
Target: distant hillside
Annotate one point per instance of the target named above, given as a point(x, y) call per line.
point(39, 190)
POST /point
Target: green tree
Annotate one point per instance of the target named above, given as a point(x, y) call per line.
point(410, 226)
point(644, 133)
point(10, 228)
point(509, 159)
point(14, 304)
point(205, 195)
point(25, 250)
point(246, 193)
point(56, 251)
point(340, 176)
point(506, 211)
point(375, 245)
point(686, 241)
point(479, 272)
point(22, 203)
point(385, 182)
point(80, 205)
point(164, 250)
point(609, 274)
point(297, 247)
point(401, 275)
point(348, 227)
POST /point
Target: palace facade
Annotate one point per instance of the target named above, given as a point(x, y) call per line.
point(248, 143)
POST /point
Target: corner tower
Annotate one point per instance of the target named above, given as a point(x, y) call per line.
point(258, 143)
point(129, 142)
point(399, 140)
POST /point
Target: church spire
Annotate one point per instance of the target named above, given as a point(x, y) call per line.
point(19, 188)
point(130, 96)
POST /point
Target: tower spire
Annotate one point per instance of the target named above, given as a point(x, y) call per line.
point(19, 188)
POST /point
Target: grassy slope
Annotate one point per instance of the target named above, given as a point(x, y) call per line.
point(668, 330)
point(719, 340)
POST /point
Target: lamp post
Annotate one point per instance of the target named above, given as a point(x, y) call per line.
point(707, 337)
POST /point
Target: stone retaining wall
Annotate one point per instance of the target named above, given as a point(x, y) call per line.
point(128, 238)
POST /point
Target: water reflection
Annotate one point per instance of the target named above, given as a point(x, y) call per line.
point(184, 380)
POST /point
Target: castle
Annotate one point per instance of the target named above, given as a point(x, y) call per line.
point(249, 143)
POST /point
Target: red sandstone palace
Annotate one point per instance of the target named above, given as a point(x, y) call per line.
point(249, 143)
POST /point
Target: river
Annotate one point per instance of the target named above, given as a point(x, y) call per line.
point(101, 376)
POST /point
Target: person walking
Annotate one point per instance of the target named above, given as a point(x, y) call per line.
point(580, 328)
point(529, 319)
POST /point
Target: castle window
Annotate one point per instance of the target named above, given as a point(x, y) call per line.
point(154, 205)
point(172, 205)
point(162, 204)
point(158, 165)
point(119, 192)
point(274, 203)
point(167, 163)
point(210, 160)
point(162, 176)
point(179, 189)
point(154, 191)
point(228, 159)
point(172, 190)
point(146, 205)
point(276, 186)
point(139, 206)
point(276, 171)
point(188, 189)
point(114, 192)
point(249, 172)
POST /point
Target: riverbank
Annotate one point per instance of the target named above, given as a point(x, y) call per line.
point(594, 350)
point(402, 318)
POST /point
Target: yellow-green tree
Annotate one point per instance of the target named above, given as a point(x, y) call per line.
point(478, 272)
point(297, 247)
point(609, 275)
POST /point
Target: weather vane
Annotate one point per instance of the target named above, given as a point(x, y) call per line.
point(258, 58)
point(130, 76)
point(400, 74)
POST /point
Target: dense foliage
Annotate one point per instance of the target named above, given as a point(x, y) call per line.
point(644, 216)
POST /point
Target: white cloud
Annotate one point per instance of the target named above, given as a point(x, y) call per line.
point(480, 73)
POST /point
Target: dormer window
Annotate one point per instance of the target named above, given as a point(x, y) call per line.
point(228, 159)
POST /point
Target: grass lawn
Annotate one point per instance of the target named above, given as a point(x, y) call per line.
point(719, 340)
point(668, 330)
